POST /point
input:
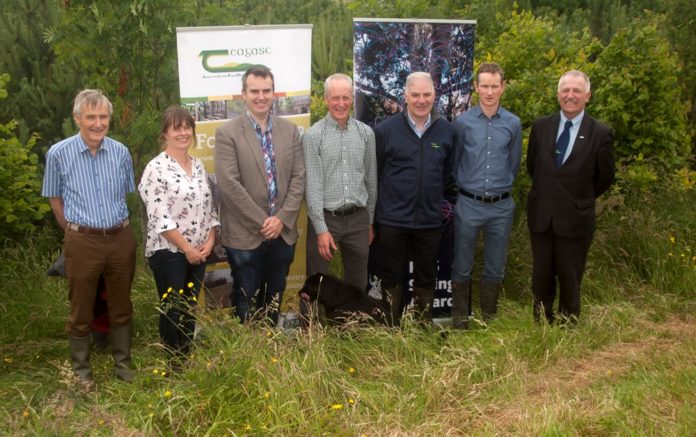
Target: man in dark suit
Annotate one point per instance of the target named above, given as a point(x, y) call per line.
point(260, 170)
point(571, 161)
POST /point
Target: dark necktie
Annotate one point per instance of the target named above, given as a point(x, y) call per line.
point(562, 144)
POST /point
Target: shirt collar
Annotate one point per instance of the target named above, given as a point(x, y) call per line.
point(479, 112)
point(105, 144)
point(576, 120)
point(413, 124)
point(333, 123)
point(257, 126)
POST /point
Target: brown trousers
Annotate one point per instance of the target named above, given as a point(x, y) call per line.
point(86, 258)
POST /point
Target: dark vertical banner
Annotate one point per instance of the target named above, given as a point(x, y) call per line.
point(385, 52)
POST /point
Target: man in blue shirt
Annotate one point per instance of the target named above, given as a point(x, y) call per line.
point(486, 162)
point(86, 180)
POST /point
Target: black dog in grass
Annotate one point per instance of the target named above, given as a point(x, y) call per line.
point(340, 301)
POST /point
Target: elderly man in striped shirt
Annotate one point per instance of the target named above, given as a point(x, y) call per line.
point(86, 180)
point(341, 188)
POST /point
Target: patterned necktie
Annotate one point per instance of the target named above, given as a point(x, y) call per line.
point(562, 144)
point(269, 164)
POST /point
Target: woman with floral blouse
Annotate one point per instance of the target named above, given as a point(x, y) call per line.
point(181, 229)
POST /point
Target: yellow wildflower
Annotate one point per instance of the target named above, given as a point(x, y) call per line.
point(267, 395)
point(181, 291)
point(274, 360)
point(101, 421)
point(164, 296)
point(336, 406)
point(247, 427)
point(155, 372)
point(351, 401)
point(151, 415)
point(169, 290)
point(167, 394)
point(194, 299)
point(190, 285)
point(8, 360)
point(351, 370)
point(672, 239)
point(25, 413)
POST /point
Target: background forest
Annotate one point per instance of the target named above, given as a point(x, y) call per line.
point(628, 368)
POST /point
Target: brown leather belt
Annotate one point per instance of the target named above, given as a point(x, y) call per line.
point(98, 231)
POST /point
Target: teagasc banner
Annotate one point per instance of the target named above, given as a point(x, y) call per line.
point(384, 53)
point(212, 61)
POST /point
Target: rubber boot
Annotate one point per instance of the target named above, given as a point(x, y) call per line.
point(488, 297)
point(79, 355)
point(423, 298)
point(393, 298)
point(461, 295)
point(121, 351)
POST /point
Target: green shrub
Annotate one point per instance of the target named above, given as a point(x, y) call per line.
point(21, 205)
point(637, 92)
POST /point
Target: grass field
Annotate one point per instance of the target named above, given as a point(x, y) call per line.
point(628, 368)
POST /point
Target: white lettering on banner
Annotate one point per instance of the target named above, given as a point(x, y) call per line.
point(203, 139)
point(442, 302)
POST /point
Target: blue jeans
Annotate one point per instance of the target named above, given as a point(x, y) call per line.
point(178, 284)
point(495, 220)
point(258, 278)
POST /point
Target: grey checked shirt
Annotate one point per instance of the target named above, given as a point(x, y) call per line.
point(341, 168)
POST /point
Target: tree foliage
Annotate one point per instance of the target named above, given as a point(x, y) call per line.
point(20, 203)
point(40, 93)
point(126, 49)
point(637, 92)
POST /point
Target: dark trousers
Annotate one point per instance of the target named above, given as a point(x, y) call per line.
point(351, 234)
point(87, 257)
point(259, 277)
point(399, 245)
point(178, 285)
point(562, 259)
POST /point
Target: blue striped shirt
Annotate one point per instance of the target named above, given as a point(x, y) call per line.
point(93, 188)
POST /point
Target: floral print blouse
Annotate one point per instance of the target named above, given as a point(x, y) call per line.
point(176, 201)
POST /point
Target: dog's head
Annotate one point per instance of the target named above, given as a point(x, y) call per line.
point(311, 288)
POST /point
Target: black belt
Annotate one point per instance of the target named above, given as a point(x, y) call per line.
point(485, 199)
point(98, 231)
point(343, 211)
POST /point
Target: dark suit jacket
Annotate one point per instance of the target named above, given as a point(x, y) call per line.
point(565, 198)
point(241, 178)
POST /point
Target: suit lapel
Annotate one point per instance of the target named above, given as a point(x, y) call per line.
point(254, 146)
point(550, 137)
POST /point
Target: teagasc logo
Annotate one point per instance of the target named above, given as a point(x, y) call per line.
point(232, 66)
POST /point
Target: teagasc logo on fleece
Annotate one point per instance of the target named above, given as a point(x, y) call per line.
point(206, 55)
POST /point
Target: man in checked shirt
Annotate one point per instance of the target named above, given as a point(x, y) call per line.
point(341, 186)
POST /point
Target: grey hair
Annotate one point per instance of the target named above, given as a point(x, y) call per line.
point(333, 78)
point(575, 73)
point(91, 98)
point(416, 75)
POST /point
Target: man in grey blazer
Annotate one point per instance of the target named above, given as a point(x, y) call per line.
point(571, 161)
point(259, 165)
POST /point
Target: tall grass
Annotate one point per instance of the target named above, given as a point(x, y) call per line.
point(627, 368)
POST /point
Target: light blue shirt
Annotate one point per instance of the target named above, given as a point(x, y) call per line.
point(488, 152)
point(573, 131)
point(93, 188)
point(414, 126)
